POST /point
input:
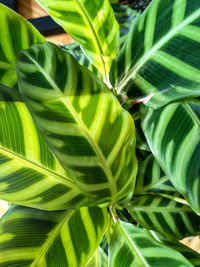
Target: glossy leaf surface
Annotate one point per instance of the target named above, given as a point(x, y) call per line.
point(173, 134)
point(30, 174)
point(164, 215)
point(91, 24)
point(132, 246)
point(31, 237)
point(16, 34)
point(161, 55)
point(81, 121)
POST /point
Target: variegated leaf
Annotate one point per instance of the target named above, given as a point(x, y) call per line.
point(81, 121)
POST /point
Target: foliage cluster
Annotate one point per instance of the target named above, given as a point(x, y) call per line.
point(100, 139)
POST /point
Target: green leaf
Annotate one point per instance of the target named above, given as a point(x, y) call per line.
point(132, 246)
point(16, 34)
point(173, 134)
point(31, 237)
point(99, 259)
point(188, 253)
point(125, 17)
point(161, 56)
point(96, 148)
point(77, 53)
point(165, 215)
point(151, 178)
point(30, 174)
point(92, 25)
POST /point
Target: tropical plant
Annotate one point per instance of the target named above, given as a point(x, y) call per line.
point(100, 139)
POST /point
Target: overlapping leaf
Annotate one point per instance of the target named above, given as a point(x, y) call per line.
point(165, 215)
point(125, 17)
point(31, 237)
point(90, 24)
point(132, 246)
point(151, 178)
point(30, 175)
point(81, 121)
point(173, 134)
point(82, 59)
point(99, 259)
point(16, 34)
point(188, 253)
point(161, 54)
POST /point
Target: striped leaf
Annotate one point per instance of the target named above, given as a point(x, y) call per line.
point(96, 148)
point(30, 175)
point(188, 253)
point(165, 215)
point(91, 24)
point(77, 53)
point(99, 259)
point(131, 246)
point(173, 133)
point(151, 178)
point(161, 54)
point(31, 237)
point(16, 34)
point(125, 17)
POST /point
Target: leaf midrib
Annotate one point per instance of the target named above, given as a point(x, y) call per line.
point(34, 165)
point(163, 209)
point(192, 114)
point(131, 243)
point(94, 35)
point(51, 238)
point(82, 126)
point(133, 71)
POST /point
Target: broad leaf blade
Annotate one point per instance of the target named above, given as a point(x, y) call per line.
point(81, 121)
point(91, 24)
point(161, 54)
point(16, 34)
point(131, 246)
point(173, 133)
point(30, 237)
point(151, 178)
point(30, 174)
point(165, 215)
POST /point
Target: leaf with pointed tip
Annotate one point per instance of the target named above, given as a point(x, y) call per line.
point(132, 246)
point(151, 178)
point(30, 174)
point(173, 134)
point(16, 34)
point(96, 148)
point(165, 215)
point(31, 237)
point(161, 55)
point(91, 24)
